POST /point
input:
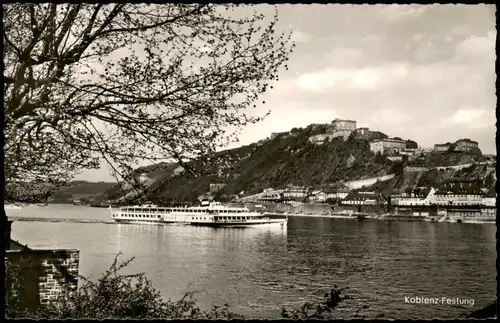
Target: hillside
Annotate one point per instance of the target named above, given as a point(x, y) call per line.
point(449, 158)
point(286, 159)
point(404, 181)
point(149, 176)
point(290, 158)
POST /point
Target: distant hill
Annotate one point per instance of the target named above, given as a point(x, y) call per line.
point(81, 190)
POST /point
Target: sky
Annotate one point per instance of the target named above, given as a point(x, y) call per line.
point(419, 72)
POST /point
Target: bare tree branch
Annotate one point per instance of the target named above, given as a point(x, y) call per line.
point(128, 82)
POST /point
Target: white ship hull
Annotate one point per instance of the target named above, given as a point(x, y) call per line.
point(241, 224)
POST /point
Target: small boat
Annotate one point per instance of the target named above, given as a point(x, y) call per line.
point(215, 214)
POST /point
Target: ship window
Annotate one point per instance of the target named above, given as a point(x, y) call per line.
point(192, 218)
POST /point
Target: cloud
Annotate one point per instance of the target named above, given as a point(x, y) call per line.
point(437, 74)
point(417, 37)
point(370, 78)
point(470, 117)
point(300, 37)
point(393, 12)
point(391, 121)
point(466, 115)
point(345, 56)
point(474, 45)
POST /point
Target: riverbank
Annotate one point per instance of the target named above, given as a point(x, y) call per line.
point(390, 217)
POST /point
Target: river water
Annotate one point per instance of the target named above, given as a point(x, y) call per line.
point(258, 270)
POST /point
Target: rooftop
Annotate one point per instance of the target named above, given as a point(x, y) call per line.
point(466, 140)
point(446, 144)
point(340, 120)
point(389, 139)
point(472, 189)
point(361, 196)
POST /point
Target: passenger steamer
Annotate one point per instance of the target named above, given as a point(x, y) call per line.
point(214, 214)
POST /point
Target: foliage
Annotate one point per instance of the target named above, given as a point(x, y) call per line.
point(434, 159)
point(13, 291)
point(435, 178)
point(127, 83)
point(291, 159)
point(121, 296)
point(310, 310)
point(132, 296)
point(323, 309)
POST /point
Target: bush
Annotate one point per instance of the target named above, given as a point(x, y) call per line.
point(317, 311)
point(118, 296)
point(13, 292)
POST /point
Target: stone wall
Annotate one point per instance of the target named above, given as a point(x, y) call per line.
point(44, 274)
point(367, 182)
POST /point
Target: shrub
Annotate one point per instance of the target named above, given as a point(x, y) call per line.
point(13, 292)
point(323, 309)
point(118, 296)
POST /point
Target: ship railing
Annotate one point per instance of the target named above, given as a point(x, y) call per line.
point(231, 220)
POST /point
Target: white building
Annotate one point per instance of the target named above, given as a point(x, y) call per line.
point(294, 192)
point(342, 124)
point(458, 193)
point(420, 197)
point(361, 198)
point(387, 145)
point(318, 196)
